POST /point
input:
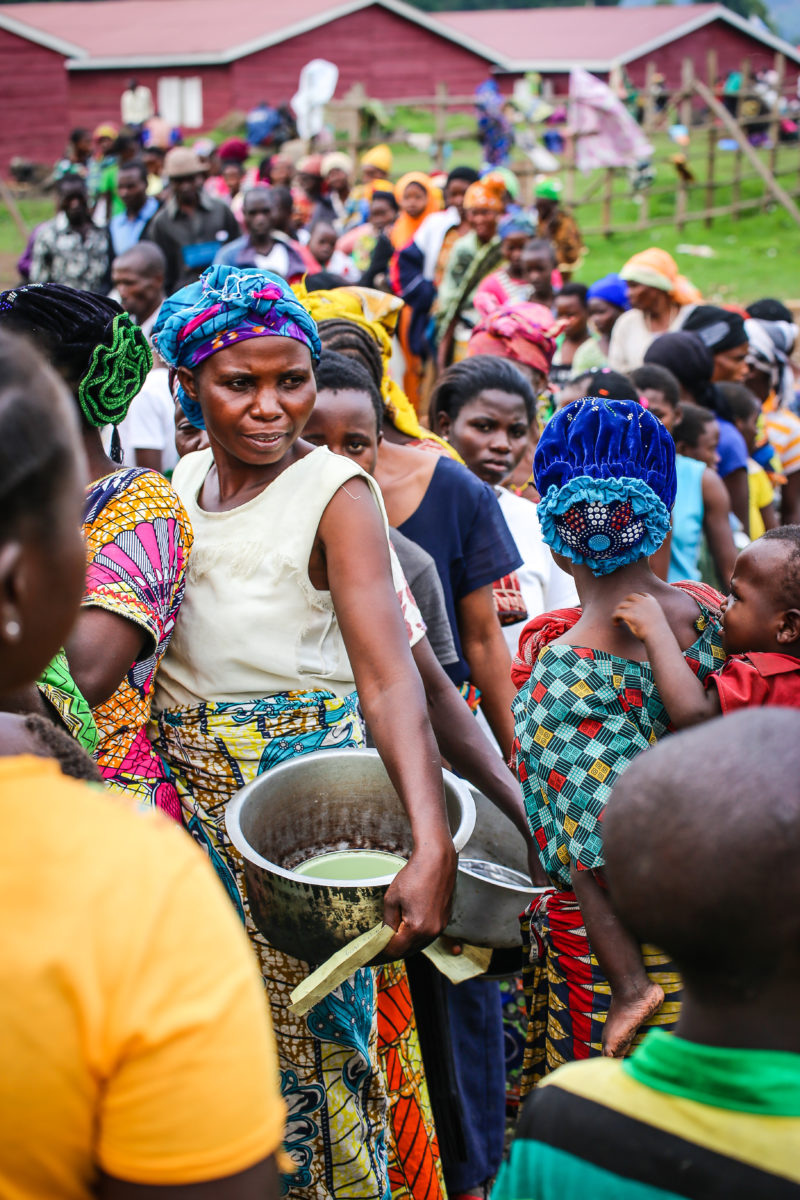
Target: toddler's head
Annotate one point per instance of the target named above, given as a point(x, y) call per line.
point(762, 612)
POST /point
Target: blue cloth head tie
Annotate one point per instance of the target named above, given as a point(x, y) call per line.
point(516, 223)
point(605, 471)
point(228, 305)
point(611, 288)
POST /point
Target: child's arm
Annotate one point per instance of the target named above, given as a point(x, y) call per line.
point(634, 996)
point(684, 697)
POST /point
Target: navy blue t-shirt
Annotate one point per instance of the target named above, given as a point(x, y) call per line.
point(460, 524)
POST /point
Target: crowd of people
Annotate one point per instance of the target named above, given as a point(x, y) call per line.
point(293, 461)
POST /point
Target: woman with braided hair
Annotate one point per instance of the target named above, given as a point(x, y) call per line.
point(137, 535)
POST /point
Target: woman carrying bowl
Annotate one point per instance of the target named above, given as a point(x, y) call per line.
point(291, 554)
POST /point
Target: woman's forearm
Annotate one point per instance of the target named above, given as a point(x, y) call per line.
point(396, 714)
point(490, 672)
point(682, 693)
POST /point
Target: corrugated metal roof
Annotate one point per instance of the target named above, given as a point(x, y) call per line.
point(595, 38)
point(161, 31)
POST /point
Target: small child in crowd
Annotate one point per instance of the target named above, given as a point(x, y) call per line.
point(701, 846)
point(322, 245)
point(745, 410)
point(760, 633)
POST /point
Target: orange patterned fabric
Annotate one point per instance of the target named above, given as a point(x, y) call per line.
point(415, 1168)
point(138, 540)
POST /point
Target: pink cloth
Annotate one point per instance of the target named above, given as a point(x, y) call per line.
point(606, 135)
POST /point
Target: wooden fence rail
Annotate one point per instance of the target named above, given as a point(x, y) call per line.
point(699, 171)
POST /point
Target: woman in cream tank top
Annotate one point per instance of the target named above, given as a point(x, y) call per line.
point(289, 608)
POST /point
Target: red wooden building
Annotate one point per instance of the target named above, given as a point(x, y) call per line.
point(64, 65)
point(553, 40)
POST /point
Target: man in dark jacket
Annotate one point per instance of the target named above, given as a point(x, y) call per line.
point(190, 227)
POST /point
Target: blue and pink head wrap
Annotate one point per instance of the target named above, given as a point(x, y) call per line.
point(226, 306)
point(605, 471)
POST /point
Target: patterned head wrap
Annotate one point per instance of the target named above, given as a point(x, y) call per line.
point(486, 193)
point(771, 343)
point(226, 306)
point(605, 470)
point(522, 332)
point(89, 339)
point(377, 313)
point(657, 269)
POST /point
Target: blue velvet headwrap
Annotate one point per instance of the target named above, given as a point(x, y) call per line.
point(605, 471)
point(228, 305)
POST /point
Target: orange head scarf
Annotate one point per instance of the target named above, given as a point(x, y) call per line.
point(405, 227)
point(489, 192)
point(657, 269)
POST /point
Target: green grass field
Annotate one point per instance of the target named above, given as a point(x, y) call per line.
point(756, 255)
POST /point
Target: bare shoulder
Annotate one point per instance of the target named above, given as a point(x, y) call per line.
point(681, 610)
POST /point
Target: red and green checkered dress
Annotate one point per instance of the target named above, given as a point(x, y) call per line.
point(581, 717)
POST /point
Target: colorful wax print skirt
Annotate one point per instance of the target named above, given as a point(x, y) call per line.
point(340, 1132)
point(567, 993)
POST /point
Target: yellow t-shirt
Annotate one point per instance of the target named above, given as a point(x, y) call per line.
point(760, 494)
point(134, 1030)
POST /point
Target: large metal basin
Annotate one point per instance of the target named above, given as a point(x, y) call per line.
point(330, 800)
point(486, 913)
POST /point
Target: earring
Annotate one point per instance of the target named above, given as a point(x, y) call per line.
point(13, 630)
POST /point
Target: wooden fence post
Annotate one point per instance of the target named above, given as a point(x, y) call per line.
point(568, 161)
point(687, 78)
point(649, 109)
point(711, 66)
point(351, 106)
point(736, 185)
point(608, 197)
point(769, 180)
point(440, 122)
point(7, 196)
point(775, 123)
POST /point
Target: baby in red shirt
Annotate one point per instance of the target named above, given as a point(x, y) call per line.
point(760, 631)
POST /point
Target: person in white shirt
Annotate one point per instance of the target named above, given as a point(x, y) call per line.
point(136, 104)
point(147, 434)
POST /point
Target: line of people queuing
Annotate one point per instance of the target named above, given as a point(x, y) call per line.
point(222, 628)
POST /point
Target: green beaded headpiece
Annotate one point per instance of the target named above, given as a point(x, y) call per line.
point(117, 371)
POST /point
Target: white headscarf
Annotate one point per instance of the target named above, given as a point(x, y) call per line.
point(771, 343)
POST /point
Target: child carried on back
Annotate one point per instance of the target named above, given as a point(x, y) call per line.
point(760, 633)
